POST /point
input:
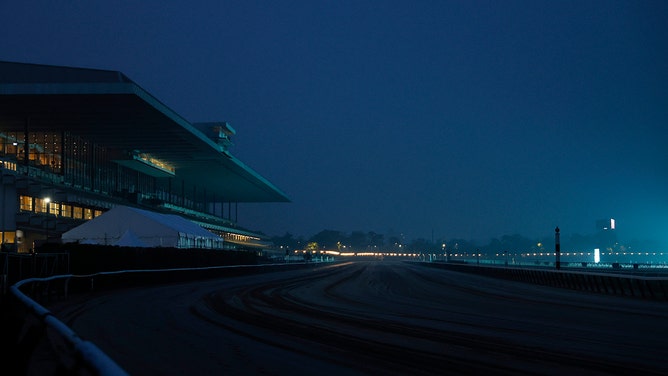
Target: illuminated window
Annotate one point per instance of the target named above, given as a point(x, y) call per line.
point(8, 236)
point(25, 203)
point(54, 208)
point(78, 212)
point(88, 213)
point(66, 211)
point(42, 205)
point(8, 165)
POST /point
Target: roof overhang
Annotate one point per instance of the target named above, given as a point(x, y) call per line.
point(120, 115)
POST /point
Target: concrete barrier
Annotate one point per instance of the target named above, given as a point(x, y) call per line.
point(650, 288)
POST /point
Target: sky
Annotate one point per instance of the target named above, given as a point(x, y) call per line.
point(446, 119)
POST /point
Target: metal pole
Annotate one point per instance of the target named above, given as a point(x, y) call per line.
point(557, 247)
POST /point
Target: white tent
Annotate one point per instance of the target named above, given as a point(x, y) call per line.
point(131, 227)
point(129, 239)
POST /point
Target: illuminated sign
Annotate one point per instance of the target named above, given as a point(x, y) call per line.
point(605, 224)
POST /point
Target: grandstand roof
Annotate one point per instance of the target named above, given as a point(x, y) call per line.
point(108, 108)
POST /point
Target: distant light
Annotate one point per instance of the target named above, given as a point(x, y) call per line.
point(597, 255)
point(612, 223)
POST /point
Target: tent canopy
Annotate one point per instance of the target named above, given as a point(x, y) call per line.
point(129, 239)
point(133, 227)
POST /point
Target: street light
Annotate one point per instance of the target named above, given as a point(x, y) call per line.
point(47, 201)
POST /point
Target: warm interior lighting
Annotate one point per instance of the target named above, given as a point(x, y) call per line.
point(154, 162)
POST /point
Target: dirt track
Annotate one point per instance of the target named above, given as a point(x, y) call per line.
point(372, 317)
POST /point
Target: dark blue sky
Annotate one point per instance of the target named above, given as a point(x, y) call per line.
point(471, 119)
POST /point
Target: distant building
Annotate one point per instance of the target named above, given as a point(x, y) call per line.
point(605, 224)
point(606, 235)
point(76, 142)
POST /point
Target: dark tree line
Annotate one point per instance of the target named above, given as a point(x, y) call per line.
point(369, 241)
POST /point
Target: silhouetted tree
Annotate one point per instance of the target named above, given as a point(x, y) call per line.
point(458, 245)
point(287, 241)
point(422, 245)
point(358, 240)
point(328, 238)
point(375, 240)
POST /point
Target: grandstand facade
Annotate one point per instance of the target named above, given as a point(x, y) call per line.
point(76, 142)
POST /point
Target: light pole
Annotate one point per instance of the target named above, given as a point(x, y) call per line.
point(557, 247)
point(47, 201)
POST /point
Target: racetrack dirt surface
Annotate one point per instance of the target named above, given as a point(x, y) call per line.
point(371, 318)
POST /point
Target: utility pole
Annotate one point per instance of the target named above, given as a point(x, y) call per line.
point(557, 247)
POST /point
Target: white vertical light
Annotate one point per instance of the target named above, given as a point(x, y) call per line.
point(597, 255)
point(612, 223)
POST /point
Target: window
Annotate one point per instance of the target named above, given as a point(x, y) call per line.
point(54, 208)
point(25, 203)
